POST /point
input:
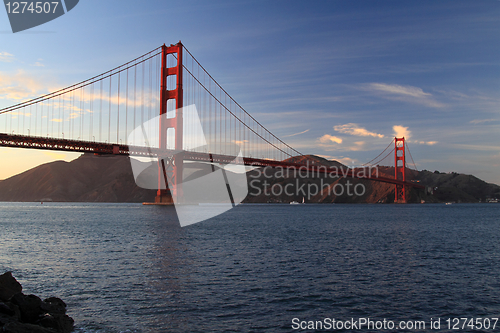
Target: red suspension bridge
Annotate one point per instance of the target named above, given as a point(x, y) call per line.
point(98, 115)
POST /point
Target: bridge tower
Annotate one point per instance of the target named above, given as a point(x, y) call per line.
point(399, 167)
point(170, 167)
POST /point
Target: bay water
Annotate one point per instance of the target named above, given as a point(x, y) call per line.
point(259, 268)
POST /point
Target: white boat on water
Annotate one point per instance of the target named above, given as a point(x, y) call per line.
point(298, 203)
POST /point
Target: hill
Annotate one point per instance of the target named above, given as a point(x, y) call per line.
point(457, 187)
point(92, 178)
point(88, 178)
point(271, 185)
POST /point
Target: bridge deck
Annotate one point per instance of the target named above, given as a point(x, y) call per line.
point(47, 143)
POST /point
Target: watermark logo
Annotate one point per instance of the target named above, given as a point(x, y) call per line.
point(204, 184)
point(210, 185)
point(28, 14)
point(309, 180)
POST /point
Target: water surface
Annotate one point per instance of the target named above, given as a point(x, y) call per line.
point(131, 268)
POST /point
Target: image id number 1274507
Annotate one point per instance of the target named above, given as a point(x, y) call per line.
point(471, 323)
point(31, 6)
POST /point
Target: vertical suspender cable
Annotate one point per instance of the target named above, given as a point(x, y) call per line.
point(126, 108)
point(100, 112)
point(109, 111)
point(135, 94)
point(118, 113)
point(91, 133)
point(81, 111)
point(142, 95)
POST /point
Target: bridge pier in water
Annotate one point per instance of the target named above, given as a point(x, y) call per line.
point(399, 169)
point(170, 168)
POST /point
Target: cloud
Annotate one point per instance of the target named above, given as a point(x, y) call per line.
point(23, 86)
point(327, 157)
point(38, 64)
point(408, 94)
point(480, 121)
point(6, 57)
point(20, 86)
point(401, 131)
point(330, 138)
point(477, 147)
point(400, 90)
point(74, 115)
point(429, 143)
point(333, 143)
point(358, 146)
point(287, 136)
point(354, 129)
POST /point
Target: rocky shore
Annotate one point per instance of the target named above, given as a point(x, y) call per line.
point(20, 313)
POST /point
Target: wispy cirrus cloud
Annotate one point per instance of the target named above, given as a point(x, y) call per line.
point(429, 143)
point(358, 146)
point(355, 129)
point(20, 86)
point(6, 57)
point(487, 148)
point(481, 121)
point(287, 136)
point(398, 92)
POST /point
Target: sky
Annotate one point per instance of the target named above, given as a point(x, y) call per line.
point(337, 79)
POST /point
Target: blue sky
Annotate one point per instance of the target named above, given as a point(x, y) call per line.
point(332, 78)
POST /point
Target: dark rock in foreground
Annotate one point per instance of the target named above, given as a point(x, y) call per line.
point(9, 286)
point(20, 313)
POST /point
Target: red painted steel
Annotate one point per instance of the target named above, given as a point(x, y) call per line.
point(171, 162)
point(399, 170)
point(20, 141)
point(170, 167)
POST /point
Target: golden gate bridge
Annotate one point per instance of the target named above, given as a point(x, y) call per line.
point(97, 116)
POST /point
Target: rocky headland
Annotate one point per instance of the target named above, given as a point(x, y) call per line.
point(91, 178)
